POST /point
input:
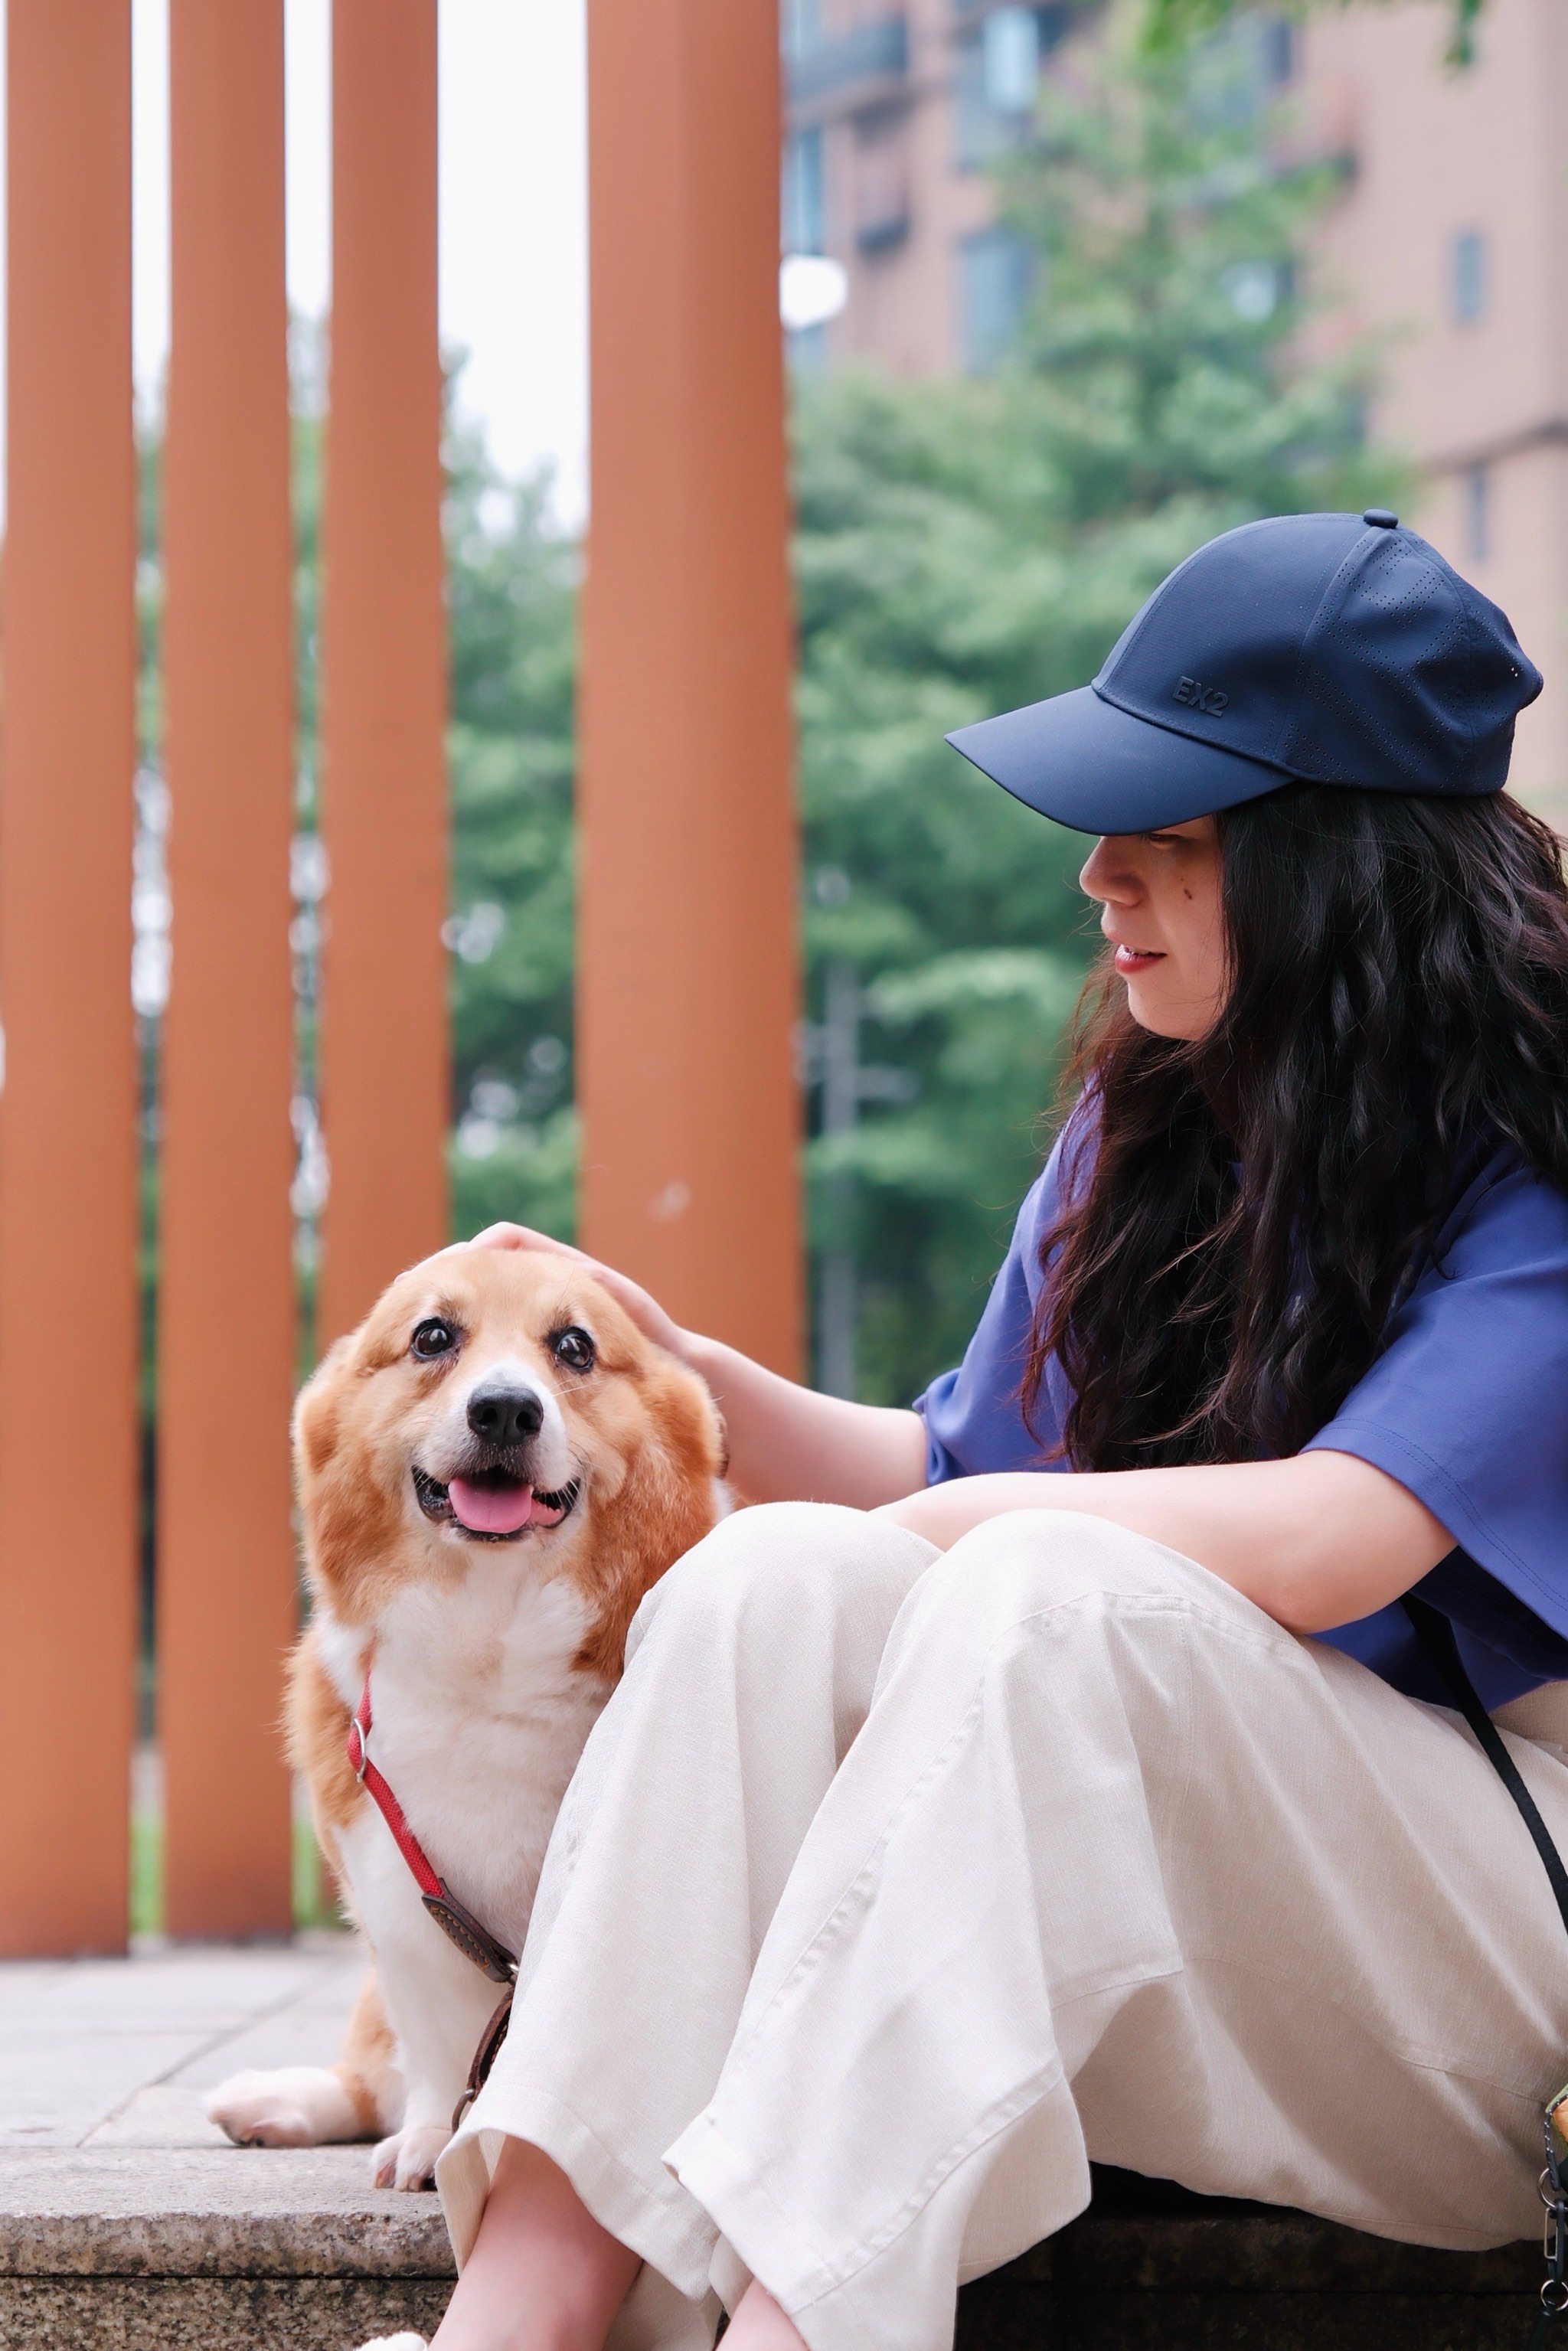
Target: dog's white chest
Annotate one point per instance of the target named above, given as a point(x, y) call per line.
point(480, 1715)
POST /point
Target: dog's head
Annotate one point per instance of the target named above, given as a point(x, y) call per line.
point(499, 1399)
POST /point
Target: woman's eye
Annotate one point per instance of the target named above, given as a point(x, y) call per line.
point(573, 1348)
point(433, 1338)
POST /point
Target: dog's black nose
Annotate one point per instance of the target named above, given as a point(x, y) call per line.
point(502, 1415)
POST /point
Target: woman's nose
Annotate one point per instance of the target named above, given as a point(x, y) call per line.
point(1108, 874)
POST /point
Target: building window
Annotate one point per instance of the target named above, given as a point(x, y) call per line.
point(879, 182)
point(975, 130)
point(1255, 289)
point(803, 208)
point(1276, 51)
point(1475, 489)
point(870, 58)
point(806, 350)
point(1009, 48)
point(1467, 276)
point(995, 271)
point(1237, 73)
point(997, 83)
point(800, 27)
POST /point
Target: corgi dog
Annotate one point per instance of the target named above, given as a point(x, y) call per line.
point(492, 1472)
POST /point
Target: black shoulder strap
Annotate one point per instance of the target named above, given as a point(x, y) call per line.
point(1435, 1635)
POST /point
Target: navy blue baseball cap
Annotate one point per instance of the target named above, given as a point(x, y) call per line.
point(1315, 648)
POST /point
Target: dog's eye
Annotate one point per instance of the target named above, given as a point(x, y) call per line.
point(437, 1337)
point(573, 1348)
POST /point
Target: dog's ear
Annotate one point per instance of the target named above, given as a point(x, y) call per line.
point(668, 1503)
point(348, 1510)
point(315, 1419)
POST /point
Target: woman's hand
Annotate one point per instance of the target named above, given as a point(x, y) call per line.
point(646, 1312)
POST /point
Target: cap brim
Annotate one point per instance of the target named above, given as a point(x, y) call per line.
point(1081, 760)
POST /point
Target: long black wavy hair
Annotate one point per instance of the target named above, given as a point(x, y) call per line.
point(1248, 1205)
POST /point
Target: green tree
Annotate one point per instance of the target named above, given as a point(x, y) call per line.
point(967, 546)
point(512, 590)
point(1171, 24)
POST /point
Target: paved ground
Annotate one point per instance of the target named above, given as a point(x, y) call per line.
point(119, 2053)
point(127, 2221)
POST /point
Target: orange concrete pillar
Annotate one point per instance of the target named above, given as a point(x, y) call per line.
point(226, 1308)
point(68, 1112)
point(686, 989)
point(384, 1053)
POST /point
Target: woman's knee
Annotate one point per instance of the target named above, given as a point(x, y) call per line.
point(770, 1571)
point(1030, 1563)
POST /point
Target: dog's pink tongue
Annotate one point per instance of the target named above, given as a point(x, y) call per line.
point(491, 1509)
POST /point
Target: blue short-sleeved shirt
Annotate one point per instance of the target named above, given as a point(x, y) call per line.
point(1467, 1406)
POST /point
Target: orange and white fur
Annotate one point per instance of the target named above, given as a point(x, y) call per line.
point(492, 1472)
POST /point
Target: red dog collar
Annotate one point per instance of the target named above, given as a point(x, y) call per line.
point(475, 1942)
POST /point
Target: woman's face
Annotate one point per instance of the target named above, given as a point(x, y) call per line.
point(1160, 892)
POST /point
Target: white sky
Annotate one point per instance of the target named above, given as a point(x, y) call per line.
point(514, 260)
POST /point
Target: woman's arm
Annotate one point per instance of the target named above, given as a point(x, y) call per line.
point(787, 1442)
point(1316, 1540)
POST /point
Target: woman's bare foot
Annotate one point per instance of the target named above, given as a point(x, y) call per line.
point(543, 2275)
point(760, 2324)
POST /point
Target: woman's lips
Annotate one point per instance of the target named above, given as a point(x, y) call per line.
point(1129, 961)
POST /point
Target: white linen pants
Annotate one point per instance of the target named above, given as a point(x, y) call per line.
point(894, 1885)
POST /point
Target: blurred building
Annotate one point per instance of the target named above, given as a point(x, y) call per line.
point(1449, 243)
point(1452, 240)
point(894, 113)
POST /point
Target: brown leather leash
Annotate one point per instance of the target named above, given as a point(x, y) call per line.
point(457, 1922)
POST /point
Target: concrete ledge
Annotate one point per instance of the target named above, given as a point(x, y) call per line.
point(212, 2314)
point(187, 2250)
point(253, 2213)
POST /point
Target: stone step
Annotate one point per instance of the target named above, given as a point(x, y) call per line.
point(200, 2249)
point(127, 2223)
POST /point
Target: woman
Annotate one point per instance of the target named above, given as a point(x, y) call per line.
point(1060, 1781)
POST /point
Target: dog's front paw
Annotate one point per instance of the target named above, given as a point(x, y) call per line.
point(396, 2343)
point(294, 2105)
point(407, 2159)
